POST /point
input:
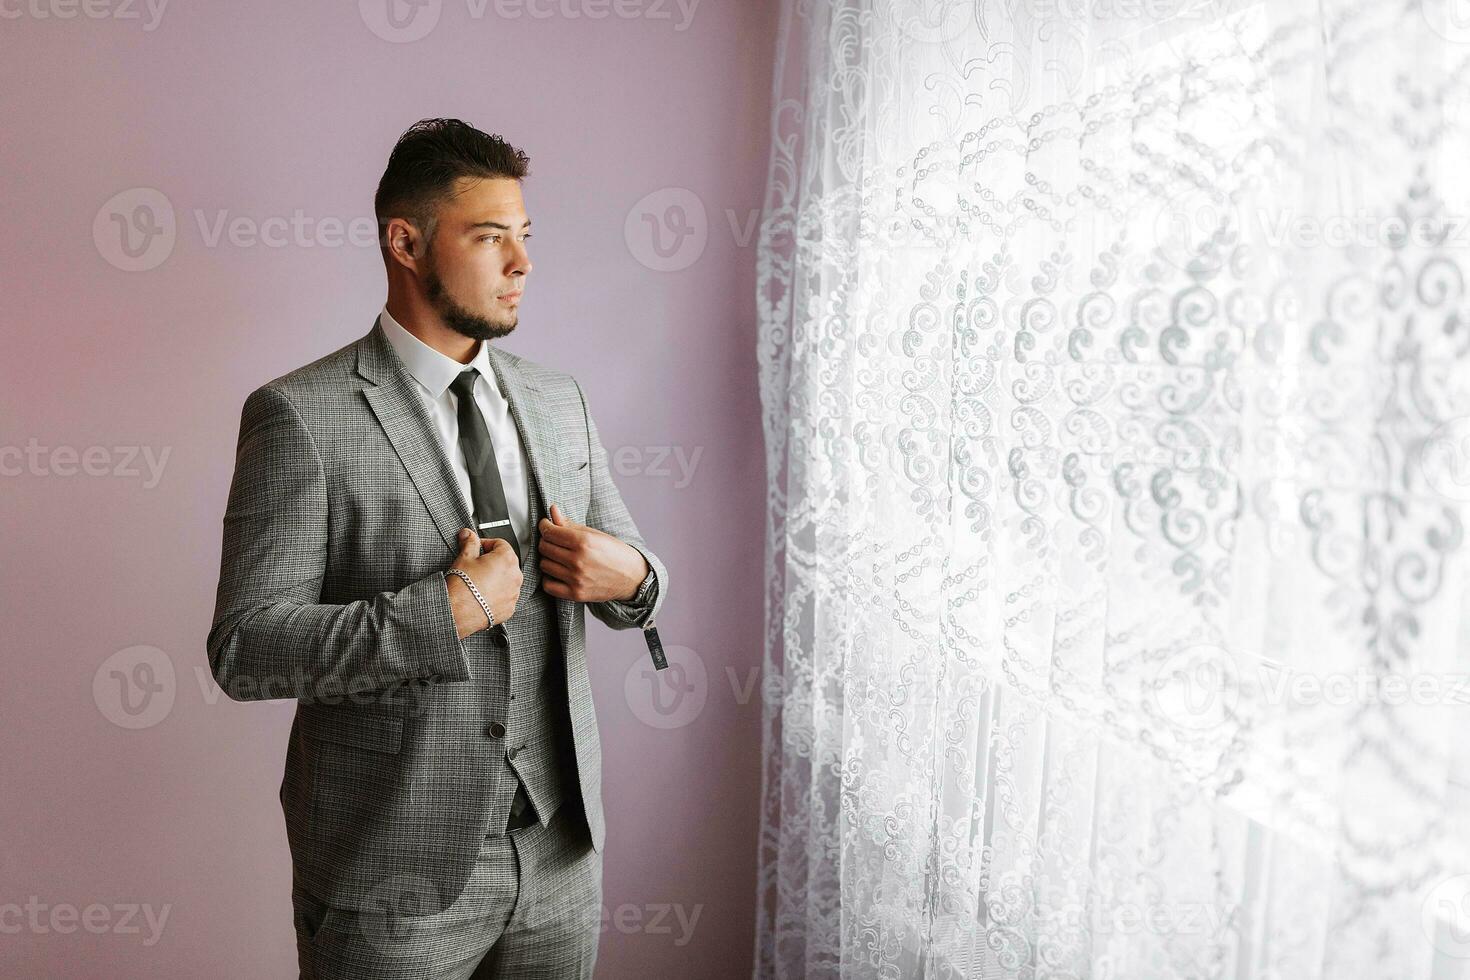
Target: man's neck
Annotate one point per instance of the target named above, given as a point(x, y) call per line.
point(421, 321)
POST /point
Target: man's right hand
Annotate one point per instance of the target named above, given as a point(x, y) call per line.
point(495, 572)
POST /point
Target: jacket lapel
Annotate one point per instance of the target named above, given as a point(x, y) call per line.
point(411, 432)
point(537, 429)
point(528, 409)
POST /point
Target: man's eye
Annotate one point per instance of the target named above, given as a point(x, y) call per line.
point(526, 237)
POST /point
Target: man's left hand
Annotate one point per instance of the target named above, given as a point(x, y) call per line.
point(584, 564)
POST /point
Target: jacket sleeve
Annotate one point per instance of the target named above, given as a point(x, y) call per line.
point(608, 513)
point(271, 637)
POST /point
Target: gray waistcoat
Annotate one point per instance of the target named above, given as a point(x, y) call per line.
point(538, 744)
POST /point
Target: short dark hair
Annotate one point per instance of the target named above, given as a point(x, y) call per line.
point(426, 161)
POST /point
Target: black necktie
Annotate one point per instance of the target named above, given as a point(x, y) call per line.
point(491, 514)
point(486, 491)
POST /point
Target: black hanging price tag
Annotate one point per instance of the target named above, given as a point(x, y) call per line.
point(655, 647)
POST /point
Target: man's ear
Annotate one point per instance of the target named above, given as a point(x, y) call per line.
point(403, 243)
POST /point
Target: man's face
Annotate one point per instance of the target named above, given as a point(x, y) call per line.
point(476, 263)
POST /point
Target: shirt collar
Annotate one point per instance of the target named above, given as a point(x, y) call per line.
point(433, 370)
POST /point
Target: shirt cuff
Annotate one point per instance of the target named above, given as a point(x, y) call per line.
point(644, 588)
point(636, 610)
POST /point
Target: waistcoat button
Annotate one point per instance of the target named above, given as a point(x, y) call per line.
point(496, 730)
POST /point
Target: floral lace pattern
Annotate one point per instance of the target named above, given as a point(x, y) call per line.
point(1115, 366)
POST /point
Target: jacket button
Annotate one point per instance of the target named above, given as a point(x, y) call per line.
point(511, 754)
point(496, 730)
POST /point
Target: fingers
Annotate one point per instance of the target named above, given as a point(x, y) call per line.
point(500, 548)
point(552, 550)
point(469, 544)
point(557, 588)
point(557, 570)
point(564, 533)
point(557, 517)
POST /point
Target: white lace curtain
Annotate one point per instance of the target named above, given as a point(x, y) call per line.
point(1114, 369)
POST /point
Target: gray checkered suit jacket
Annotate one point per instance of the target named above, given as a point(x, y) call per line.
point(342, 516)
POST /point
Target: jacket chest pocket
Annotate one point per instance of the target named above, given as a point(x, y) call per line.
point(575, 479)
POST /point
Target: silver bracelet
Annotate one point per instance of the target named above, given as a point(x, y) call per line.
point(459, 573)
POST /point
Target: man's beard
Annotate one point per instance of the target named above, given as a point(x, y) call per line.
point(459, 319)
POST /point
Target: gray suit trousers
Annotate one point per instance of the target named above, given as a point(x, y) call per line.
point(532, 909)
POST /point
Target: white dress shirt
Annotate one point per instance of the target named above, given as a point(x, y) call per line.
point(433, 372)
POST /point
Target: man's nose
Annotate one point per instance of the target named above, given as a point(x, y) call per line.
point(520, 260)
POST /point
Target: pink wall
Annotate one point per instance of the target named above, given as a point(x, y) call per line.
point(259, 111)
